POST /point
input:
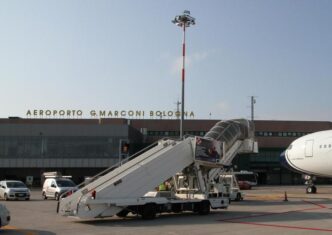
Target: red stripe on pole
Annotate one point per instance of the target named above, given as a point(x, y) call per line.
point(182, 74)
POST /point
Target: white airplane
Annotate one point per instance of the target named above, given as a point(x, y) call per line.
point(310, 155)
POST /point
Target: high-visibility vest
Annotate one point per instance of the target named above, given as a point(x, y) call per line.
point(162, 187)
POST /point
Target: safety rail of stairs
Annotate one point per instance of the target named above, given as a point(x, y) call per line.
point(230, 131)
point(112, 168)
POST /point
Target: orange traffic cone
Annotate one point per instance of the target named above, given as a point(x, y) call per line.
point(285, 199)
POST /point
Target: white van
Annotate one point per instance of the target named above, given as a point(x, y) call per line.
point(4, 215)
point(55, 187)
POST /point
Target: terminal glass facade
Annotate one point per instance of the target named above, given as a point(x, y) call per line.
point(58, 147)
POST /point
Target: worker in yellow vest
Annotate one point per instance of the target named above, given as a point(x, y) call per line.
point(162, 187)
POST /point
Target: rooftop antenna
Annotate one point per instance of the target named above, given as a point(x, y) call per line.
point(253, 102)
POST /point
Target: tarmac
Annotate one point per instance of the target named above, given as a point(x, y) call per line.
point(264, 210)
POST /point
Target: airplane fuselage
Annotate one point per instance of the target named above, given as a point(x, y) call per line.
point(310, 154)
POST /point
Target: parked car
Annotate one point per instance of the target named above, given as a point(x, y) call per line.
point(244, 185)
point(14, 189)
point(4, 215)
point(55, 187)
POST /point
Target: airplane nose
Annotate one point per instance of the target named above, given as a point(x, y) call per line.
point(283, 161)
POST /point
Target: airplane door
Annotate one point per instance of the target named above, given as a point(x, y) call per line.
point(309, 144)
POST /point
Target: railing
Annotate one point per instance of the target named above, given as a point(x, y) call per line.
point(110, 169)
point(230, 131)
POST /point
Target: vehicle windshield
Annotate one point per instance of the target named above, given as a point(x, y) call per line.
point(16, 184)
point(226, 180)
point(65, 183)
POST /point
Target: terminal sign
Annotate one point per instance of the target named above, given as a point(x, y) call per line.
point(72, 113)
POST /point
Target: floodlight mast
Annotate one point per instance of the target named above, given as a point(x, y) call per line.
point(183, 21)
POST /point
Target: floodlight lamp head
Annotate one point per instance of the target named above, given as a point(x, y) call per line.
point(186, 12)
point(184, 20)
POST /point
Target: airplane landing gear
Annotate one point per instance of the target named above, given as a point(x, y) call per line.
point(309, 180)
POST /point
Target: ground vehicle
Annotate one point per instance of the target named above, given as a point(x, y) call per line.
point(4, 215)
point(193, 165)
point(235, 193)
point(54, 187)
point(244, 185)
point(14, 189)
point(246, 179)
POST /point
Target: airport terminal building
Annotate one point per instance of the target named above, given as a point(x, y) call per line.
point(84, 147)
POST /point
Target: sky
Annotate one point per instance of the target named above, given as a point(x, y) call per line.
point(126, 55)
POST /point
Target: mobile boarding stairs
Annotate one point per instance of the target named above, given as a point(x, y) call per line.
point(190, 165)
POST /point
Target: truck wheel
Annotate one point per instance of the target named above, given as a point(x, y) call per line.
point(44, 196)
point(149, 211)
point(176, 208)
point(238, 197)
point(123, 213)
point(204, 208)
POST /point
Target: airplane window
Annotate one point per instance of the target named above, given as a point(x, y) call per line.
point(329, 145)
point(324, 145)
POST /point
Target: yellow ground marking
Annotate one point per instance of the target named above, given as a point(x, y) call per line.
point(8, 227)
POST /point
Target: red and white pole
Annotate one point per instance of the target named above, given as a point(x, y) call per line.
point(183, 79)
point(183, 21)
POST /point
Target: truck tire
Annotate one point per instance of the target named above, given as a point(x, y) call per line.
point(204, 208)
point(123, 213)
point(149, 211)
point(176, 208)
point(44, 196)
point(238, 197)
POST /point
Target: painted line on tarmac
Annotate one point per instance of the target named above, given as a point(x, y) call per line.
point(282, 226)
point(317, 207)
point(264, 197)
point(24, 232)
point(30, 233)
point(8, 227)
point(274, 196)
